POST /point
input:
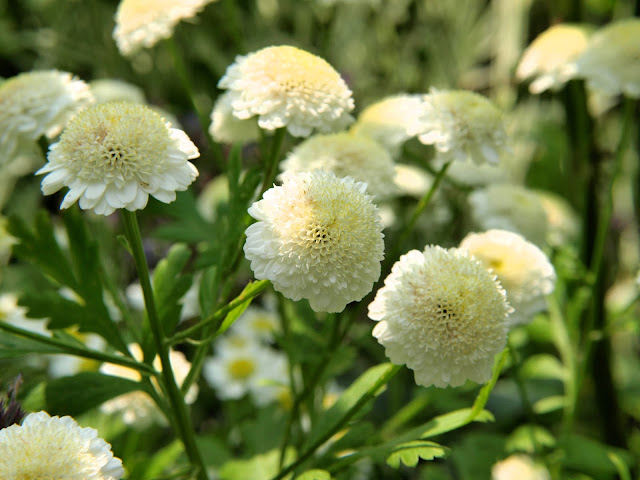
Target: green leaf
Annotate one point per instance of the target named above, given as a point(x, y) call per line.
point(543, 365)
point(527, 438)
point(549, 404)
point(260, 467)
point(162, 460)
point(452, 421)
point(78, 393)
point(485, 391)
point(188, 225)
point(588, 456)
point(314, 474)
point(12, 346)
point(208, 293)
point(249, 292)
point(411, 452)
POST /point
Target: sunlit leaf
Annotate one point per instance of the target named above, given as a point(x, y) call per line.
point(411, 452)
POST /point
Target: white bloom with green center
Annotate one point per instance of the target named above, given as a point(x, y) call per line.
point(142, 23)
point(227, 128)
point(524, 271)
point(287, 87)
point(317, 237)
point(37, 103)
point(443, 315)
point(463, 125)
point(548, 57)
point(115, 155)
point(45, 447)
point(611, 61)
point(345, 154)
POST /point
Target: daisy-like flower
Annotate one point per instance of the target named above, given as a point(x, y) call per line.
point(520, 467)
point(463, 125)
point(115, 155)
point(549, 56)
point(443, 315)
point(344, 154)
point(288, 87)
point(391, 121)
point(524, 271)
point(611, 61)
point(317, 237)
point(142, 23)
point(227, 128)
point(37, 103)
point(53, 447)
point(257, 323)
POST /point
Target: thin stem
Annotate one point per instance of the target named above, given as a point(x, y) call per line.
point(175, 397)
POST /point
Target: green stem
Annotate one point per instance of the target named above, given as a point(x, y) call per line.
point(233, 26)
point(175, 397)
point(271, 161)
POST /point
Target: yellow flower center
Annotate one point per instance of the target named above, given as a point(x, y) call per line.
point(241, 368)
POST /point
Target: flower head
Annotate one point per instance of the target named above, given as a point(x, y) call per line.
point(519, 466)
point(463, 125)
point(115, 155)
point(227, 128)
point(344, 154)
point(524, 271)
point(317, 237)
point(549, 56)
point(288, 87)
point(53, 447)
point(37, 103)
point(611, 61)
point(142, 23)
point(442, 314)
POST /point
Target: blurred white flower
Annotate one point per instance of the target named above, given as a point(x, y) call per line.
point(257, 323)
point(345, 154)
point(443, 315)
point(519, 467)
point(15, 315)
point(6, 241)
point(524, 271)
point(391, 121)
point(190, 300)
point(412, 180)
point(562, 220)
point(45, 447)
point(317, 237)
point(288, 87)
point(548, 57)
point(509, 207)
point(142, 23)
point(212, 195)
point(610, 63)
point(37, 103)
point(115, 155)
point(107, 90)
point(463, 125)
point(226, 127)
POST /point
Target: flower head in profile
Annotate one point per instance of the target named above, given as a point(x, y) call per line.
point(227, 128)
point(391, 121)
point(548, 57)
point(317, 237)
point(344, 154)
point(611, 61)
point(37, 103)
point(142, 23)
point(114, 155)
point(463, 125)
point(443, 315)
point(524, 271)
point(55, 447)
point(287, 87)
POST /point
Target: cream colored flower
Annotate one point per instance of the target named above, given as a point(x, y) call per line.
point(463, 125)
point(344, 154)
point(37, 103)
point(509, 207)
point(611, 62)
point(519, 467)
point(107, 90)
point(317, 237)
point(443, 315)
point(562, 220)
point(227, 128)
point(524, 271)
point(391, 121)
point(115, 155)
point(257, 323)
point(548, 57)
point(288, 87)
point(142, 23)
point(45, 447)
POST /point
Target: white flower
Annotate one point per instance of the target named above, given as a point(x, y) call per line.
point(110, 90)
point(442, 314)
point(142, 23)
point(611, 62)
point(344, 154)
point(392, 120)
point(45, 447)
point(524, 271)
point(509, 207)
point(463, 125)
point(227, 128)
point(115, 155)
point(412, 180)
point(288, 87)
point(257, 323)
point(519, 467)
point(37, 103)
point(15, 315)
point(317, 237)
point(562, 220)
point(549, 55)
